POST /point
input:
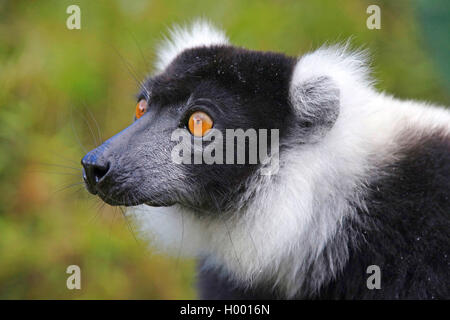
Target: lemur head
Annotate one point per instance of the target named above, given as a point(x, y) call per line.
point(205, 86)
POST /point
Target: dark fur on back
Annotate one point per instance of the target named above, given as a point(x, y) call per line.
point(405, 231)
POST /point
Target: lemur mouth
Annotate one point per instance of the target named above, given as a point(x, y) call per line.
point(157, 204)
point(127, 201)
point(97, 186)
point(131, 202)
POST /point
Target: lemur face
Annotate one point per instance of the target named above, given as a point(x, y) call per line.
point(227, 88)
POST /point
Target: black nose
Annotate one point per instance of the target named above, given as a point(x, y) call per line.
point(93, 172)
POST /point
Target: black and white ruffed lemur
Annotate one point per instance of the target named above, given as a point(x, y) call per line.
point(363, 179)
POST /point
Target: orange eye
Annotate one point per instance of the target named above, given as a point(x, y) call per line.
point(200, 123)
point(141, 108)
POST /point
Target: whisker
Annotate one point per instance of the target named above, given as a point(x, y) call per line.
point(181, 241)
point(67, 187)
point(78, 190)
point(55, 172)
point(253, 242)
point(144, 59)
point(232, 243)
point(90, 129)
point(130, 70)
point(111, 222)
point(96, 124)
point(58, 165)
point(67, 159)
point(130, 228)
point(98, 206)
point(75, 132)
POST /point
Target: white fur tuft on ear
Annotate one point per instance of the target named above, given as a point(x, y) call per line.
point(198, 34)
point(348, 71)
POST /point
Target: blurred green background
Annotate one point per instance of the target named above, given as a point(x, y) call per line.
point(62, 91)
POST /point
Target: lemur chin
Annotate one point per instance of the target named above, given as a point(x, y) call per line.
point(363, 178)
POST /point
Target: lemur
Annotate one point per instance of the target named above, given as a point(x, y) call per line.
point(363, 178)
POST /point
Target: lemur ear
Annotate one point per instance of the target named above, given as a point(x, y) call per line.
point(316, 104)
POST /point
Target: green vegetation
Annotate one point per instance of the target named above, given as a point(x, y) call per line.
point(55, 81)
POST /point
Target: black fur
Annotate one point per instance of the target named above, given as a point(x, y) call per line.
point(408, 225)
point(405, 231)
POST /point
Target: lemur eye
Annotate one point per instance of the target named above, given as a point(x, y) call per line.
point(199, 123)
point(141, 108)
